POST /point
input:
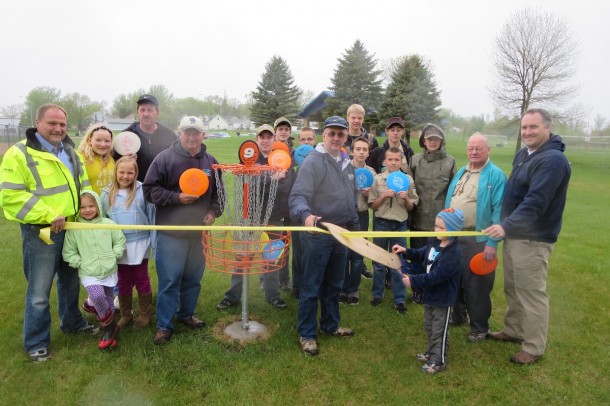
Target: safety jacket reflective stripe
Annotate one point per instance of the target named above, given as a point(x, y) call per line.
point(36, 187)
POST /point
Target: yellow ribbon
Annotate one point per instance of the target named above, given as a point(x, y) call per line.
point(45, 233)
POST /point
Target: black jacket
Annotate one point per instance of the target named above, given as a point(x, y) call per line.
point(162, 139)
point(440, 285)
point(536, 192)
point(377, 156)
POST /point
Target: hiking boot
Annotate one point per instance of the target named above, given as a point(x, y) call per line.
point(423, 357)
point(40, 355)
point(353, 300)
point(192, 322)
point(475, 337)
point(502, 336)
point(88, 328)
point(376, 302)
point(163, 336)
point(400, 308)
point(342, 298)
point(524, 358)
point(416, 298)
point(341, 332)
point(88, 308)
point(309, 346)
point(433, 368)
point(366, 274)
point(278, 303)
point(224, 304)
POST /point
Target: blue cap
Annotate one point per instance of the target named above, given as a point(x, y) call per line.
point(335, 121)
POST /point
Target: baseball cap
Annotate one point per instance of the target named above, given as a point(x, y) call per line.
point(282, 120)
point(264, 127)
point(335, 121)
point(147, 98)
point(191, 122)
point(395, 120)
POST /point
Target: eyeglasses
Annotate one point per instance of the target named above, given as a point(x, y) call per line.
point(101, 128)
point(339, 134)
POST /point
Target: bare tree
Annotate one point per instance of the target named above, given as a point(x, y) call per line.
point(534, 57)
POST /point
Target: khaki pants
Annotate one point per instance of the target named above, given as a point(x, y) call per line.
point(527, 315)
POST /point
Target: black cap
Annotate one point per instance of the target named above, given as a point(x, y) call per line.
point(147, 98)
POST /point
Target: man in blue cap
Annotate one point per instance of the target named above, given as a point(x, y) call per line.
point(325, 190)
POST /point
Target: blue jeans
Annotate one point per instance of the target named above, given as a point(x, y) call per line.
point(355, 261)
point(398, 288)
point(323, 271)
point(180, 266)
point(41, 262)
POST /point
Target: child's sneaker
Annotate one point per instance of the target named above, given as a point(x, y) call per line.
point(88, 308)
point(433, 368)
point(423, 357)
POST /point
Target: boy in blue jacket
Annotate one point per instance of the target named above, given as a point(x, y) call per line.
point(442, 260)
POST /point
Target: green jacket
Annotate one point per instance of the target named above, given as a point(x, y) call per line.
point(432, 173)
point(94, 252)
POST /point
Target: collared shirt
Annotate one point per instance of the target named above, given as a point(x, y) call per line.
point(58, 151)
point(465, 195)
point(393, 208)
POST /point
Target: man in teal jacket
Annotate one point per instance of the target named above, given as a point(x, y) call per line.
point(477, 189)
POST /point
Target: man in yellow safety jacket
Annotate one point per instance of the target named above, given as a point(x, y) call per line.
point(40, 180)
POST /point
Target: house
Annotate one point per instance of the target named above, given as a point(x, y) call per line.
point(115, 124)
point(240, 124)
point(216, 123)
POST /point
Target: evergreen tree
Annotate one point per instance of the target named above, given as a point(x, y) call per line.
point(276, 95)
point(356, 80)
point(412, 94)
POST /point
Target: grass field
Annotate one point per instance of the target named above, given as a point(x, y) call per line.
point(377, 366)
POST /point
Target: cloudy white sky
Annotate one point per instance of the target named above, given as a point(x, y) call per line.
point(199, 48)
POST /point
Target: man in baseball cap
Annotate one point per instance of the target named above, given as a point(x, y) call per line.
point(153, 136)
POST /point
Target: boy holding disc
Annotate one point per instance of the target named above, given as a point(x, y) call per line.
point(391, 206)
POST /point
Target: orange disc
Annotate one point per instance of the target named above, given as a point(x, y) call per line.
point(280, 145)
point(279, 159)
point(194, 182)
point(479, 266)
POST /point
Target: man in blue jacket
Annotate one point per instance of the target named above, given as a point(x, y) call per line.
point(477, 190)
point(325, 190)
point(531, 220)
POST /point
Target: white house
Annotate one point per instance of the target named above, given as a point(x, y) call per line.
point(217, 123)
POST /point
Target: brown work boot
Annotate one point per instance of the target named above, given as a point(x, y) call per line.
point(502, 336)
point(163, 336)
point(524, 358)
point(309, 346)
point(145, 302)
point(125, 304)
point(192, 322)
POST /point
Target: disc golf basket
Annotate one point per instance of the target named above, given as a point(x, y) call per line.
point(246, 252)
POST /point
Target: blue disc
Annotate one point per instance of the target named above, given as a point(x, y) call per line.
point(273, 250)
point(364, 178)
point(301, 152)
point(398, 181)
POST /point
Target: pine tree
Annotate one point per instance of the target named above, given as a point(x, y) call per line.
point(356, 80)
point(276, 95)
point(412, 94)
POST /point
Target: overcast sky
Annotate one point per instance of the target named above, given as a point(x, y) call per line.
point(200, 48)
